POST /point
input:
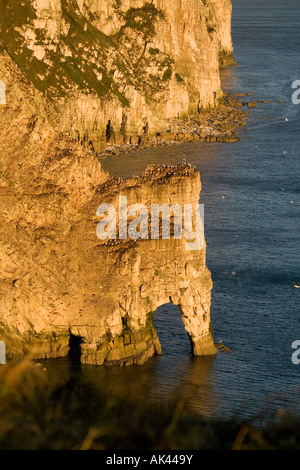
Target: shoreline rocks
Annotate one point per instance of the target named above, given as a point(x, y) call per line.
point(221, 124)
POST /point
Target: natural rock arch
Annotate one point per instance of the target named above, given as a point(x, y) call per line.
point(2, 353)
point(146, 274)
point(2, 92)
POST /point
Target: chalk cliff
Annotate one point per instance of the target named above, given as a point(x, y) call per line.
point(78, 73)
point(58, 281)
point(127, 64)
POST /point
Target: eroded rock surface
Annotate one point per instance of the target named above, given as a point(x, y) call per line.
point(129, 64)
point(56, 277)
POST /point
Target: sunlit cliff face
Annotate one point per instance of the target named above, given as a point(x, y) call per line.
point(57, 279)
point(131, 62)
point(69, 68)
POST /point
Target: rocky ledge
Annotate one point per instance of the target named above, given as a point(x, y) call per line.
point(220, 124)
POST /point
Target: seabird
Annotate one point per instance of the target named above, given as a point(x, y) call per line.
point(296, 285)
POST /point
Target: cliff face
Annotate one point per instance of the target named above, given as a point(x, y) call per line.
point(130, 62)
point(71, 67)
point(222, 11)
point(57, 279)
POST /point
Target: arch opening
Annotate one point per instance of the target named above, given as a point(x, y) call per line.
point(172, 335)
